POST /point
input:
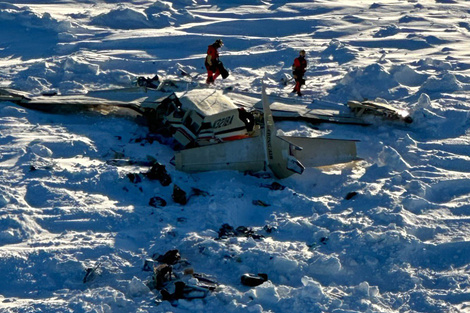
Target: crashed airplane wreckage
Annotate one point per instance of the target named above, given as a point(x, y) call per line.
point(284, 155)
point(210, 131)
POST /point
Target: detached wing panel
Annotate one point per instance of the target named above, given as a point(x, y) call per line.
point(321, 151)
point(240, 155)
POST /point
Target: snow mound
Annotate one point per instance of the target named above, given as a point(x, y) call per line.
point(69, 75)
point(406, 75)
point(158, 15)
point(162, 14)
point(424, 102)
point(371, 82)
point(36, 85)
point(40, 195)
point(40, 150)
point(433, 64)
point(25, 18)
point(137, 288)
point(313, 289)
point(387, 31)
point(391, 158)
point(321, 264)
point(447, 83)
point(12, 230)
point(337, 52)
point(3, 200)
point(122, 18)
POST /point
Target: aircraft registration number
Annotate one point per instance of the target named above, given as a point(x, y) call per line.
point(222, 122)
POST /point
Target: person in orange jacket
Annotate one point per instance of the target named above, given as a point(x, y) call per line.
point(298, 70)
point(212, 61)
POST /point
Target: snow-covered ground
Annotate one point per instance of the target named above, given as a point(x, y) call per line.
point(401, 244)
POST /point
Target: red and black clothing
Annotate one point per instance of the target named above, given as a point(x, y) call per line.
point(299, 68)
point(212, 68)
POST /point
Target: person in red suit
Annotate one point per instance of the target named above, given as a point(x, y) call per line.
point(298, 70)
point(212, 61)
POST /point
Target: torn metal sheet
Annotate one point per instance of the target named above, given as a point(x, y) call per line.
point(381, 109)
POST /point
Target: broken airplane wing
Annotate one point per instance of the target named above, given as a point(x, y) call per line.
point(63, 104)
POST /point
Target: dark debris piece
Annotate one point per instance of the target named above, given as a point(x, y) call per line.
point(260, 203)
point(171, 257)
point(179, 195)
point(184, 291)
point(274, 186)
point(153, 82)
point(33, 168)
point(264, 175)
point(198, 192)
point(269, 229)
point(228, 231)
point(157, 202)
point(248, 232)
point(253, 280)
point(158, 172)
point(170, 284)
point(181, 219)
point(134, 178)
point(91, 273)
point(161, 275)
point(206, 281)
point(351, 195)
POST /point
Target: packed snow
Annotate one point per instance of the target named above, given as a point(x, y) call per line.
point(386, 233)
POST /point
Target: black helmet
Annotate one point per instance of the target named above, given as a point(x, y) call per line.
point(219, 42)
